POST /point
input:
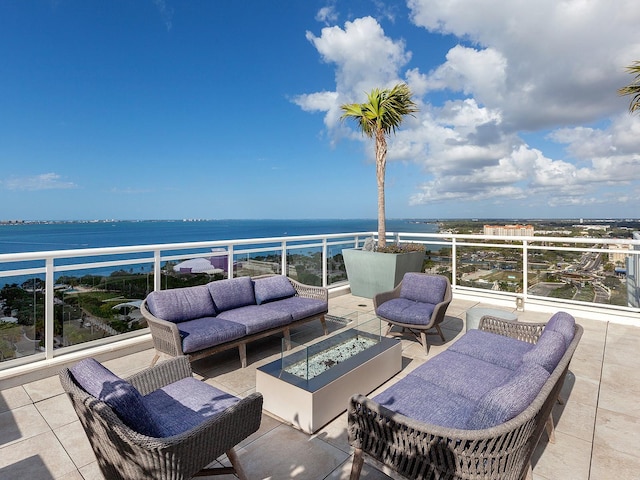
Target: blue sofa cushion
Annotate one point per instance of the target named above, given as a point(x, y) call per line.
point(424, 401)
point(123, 398)
point(298, 307)
point(206, 332)
point(232, 293)
point(504, 402)
point(423, 288)
point(404, 310)
point(256, 318)
point(564, 324)
point(181, 304)
point(496, 349)
point(272, 288)
point(185, 404)
point(548, 351)
point(462, 375)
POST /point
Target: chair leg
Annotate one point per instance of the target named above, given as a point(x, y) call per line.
point(423, 339)
point(242, 349)
point(324, 325)
point(356, 466)
point(287, 338)
point(235, 461)
point(389, 327)
point(551, 431)
point(440, 333)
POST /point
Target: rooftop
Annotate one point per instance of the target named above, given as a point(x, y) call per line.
point(597, 429)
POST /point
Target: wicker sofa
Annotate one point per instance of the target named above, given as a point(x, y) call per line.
point(476, 410)
point(202, 320)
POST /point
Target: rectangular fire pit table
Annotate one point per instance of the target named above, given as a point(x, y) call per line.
point(312, 382)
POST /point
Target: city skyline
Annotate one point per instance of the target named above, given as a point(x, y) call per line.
point(166, 110)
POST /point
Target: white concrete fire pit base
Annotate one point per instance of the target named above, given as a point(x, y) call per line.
point(310, 404)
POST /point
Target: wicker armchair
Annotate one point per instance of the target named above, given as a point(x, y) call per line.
point(124, 453)
point(418, 450)
point(417, 304)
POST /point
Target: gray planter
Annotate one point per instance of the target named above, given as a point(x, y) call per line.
point(370, 273)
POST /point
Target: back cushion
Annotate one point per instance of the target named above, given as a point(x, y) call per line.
point(564, 324)
point(181, 304)
point(232, 293)
point(119, 394)
point(273, 288)
point(502, 403)
point(548, 351)
point(423, 288)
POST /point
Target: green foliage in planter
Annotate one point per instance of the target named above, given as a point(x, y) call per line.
point(402, 248)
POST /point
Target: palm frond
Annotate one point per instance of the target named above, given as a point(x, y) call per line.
point(633, 88)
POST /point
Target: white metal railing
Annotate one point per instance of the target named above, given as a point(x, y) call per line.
point(51, 264)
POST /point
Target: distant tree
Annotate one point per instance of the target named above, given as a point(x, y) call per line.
point(633, 88)
point(377, 118)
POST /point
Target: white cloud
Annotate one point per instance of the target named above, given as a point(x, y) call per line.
point(45, 181)
point(521, 67)
point(327, 14)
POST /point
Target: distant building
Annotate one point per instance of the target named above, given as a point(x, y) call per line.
point(509, 230)
point(618, 253)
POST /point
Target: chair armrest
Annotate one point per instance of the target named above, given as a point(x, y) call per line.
point(310, 291)
point(380, 298)
point(165, 335)
point(527, 332)
point(161, 375)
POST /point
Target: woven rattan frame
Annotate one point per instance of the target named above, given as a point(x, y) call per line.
point(124, 454)
point(166, 336)
point(417, 450)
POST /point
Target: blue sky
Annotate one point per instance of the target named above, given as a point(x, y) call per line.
point(168, 109)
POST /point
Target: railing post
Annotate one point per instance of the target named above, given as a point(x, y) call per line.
point(230, 261)
point(525, 269)
point(285, 266)
point(157, 271)
point(325, 281)
point(49, 314)
point(454, 263)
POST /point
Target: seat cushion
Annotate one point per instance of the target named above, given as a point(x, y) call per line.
point(496, 349)
point(462, 375)
point(548, 351)
point(207, 332)
point(298, 307)
point(256, 318)
point(272, 288)
point(424, 401)
point(423, 288)
point(185, 404)
point(564, 324)
point(502, 403)
point(181, 304)
point(404, 310)
point(123, 398)
point(232, 293)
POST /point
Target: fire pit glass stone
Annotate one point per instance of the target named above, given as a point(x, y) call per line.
point(311, 354)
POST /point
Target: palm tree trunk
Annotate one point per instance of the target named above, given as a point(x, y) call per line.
point(381, 164)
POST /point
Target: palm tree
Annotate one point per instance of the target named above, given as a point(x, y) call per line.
point(633, 88)
point(381, 115)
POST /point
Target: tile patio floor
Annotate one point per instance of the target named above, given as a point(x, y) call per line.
point(597, 435)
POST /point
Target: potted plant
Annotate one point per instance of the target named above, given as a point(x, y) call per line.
point(377, 118)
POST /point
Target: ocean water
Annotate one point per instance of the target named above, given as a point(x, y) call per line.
point(63, 236)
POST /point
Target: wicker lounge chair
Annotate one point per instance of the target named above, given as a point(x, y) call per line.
point(202, 422)
point(417, 304)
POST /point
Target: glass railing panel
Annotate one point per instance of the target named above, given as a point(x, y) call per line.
point(336, 271)
point(490, 268)
point(92, 304)
point(22, 313)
